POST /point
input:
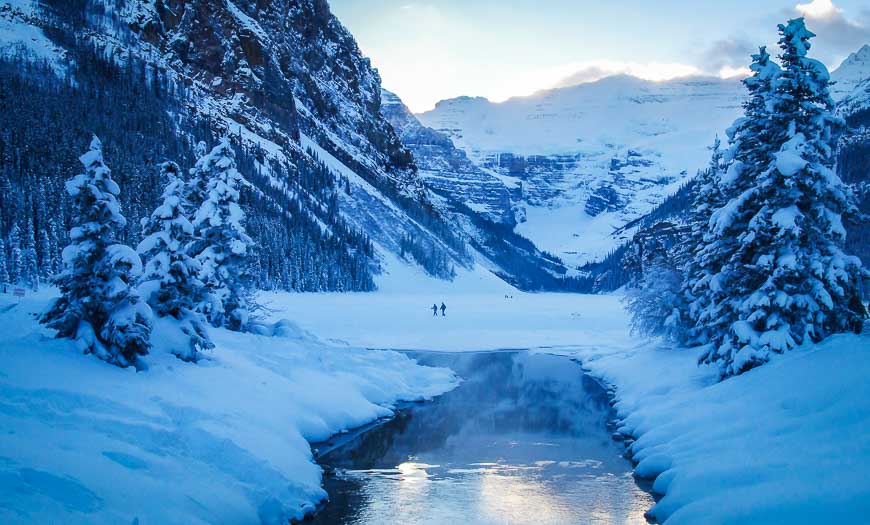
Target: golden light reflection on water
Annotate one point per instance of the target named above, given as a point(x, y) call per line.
point(542, 493)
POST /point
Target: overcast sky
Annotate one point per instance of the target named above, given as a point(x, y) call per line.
point(429, 50)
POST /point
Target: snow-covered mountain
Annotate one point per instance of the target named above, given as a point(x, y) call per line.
point(852, 95)
point(852, 72)
point(583, 161)
point(287, 82)
point(479, 204)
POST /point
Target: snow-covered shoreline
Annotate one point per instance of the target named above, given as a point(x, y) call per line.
point(222, 441)
point(228, 440)
point(786, 443)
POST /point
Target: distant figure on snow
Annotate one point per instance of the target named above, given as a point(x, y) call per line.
point(443, 309)
point(435, 310)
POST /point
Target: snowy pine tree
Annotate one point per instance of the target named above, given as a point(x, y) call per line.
point(46, 250)
point(4, 270)
point(196, 188)
point(784, 279)
point(224, 245)
point(16, 256)
point(98, 306)
point(30, 263)
point(170, 282)
point(698, 266)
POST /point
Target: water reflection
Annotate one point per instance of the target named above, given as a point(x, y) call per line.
point(522, 441)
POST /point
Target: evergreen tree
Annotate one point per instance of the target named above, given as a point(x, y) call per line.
point(16, 255)
point(196, 189)
point(654, 297)
point(98, 307)
point(784, 279)
point(698, 265)
point(4, 271)
point(219, 226)
point(170, 283)
point(30, 263)
point(45, 251)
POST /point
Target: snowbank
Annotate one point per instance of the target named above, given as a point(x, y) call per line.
point(785, 443)
point(222, 441)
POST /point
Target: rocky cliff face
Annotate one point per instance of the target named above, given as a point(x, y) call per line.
point(446, 169)
point(290, 61)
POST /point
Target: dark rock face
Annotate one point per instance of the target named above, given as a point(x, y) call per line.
point(446, 169)
point(604, 198)
point(289, 62)
point(542, 178)
point(853, 167)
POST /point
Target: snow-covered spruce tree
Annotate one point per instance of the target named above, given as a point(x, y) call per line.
point(4, 271)
point(30, 262)
point(224, 245)
point(16, 255)
point(655, 304)
point(170, 282)
point(98, 306)
point(697, 266)
point(196, 188)
point(786, 280)
point(752, 144)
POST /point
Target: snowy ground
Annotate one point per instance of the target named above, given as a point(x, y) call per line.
point(227, 441)
point(223, 441)
point(786, 443)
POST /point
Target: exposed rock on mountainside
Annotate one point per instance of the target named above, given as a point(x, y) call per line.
point(446, 169)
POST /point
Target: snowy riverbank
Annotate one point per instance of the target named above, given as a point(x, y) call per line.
point(786, 443)
point(222, 441)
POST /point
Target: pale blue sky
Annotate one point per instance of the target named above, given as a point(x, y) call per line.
point(428, 50)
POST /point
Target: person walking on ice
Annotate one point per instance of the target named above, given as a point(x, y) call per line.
point(435, 310)
point(443, 310)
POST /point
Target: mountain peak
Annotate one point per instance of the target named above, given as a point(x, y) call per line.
point(853, 70)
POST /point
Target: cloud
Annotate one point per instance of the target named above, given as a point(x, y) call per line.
point(727, 55)
point(656, 71)
point(819, 9)
point(838, 35)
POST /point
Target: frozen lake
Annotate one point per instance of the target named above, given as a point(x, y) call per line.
point(523, 440)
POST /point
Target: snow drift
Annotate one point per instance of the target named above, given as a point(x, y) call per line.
point(222, 441)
